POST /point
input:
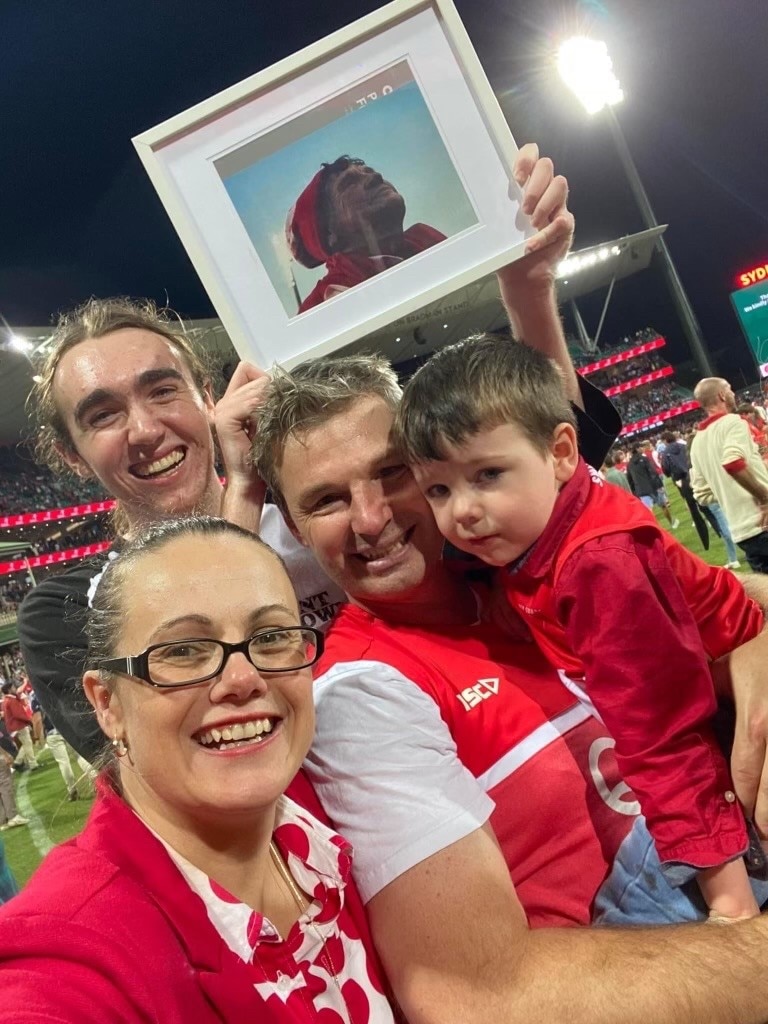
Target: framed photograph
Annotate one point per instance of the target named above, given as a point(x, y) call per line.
point(346, 186)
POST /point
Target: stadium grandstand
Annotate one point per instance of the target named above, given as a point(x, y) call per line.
point(45, 524)
point(638, 380)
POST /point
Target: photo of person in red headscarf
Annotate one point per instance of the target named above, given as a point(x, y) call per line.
point(352, 220)
point(367, 182)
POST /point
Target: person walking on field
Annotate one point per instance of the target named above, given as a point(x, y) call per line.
point(614, 475)
point(648, 485)
point(17, 720)
point(58, 747)
point(9, 813)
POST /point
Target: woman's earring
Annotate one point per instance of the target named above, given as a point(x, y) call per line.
point(121, 748)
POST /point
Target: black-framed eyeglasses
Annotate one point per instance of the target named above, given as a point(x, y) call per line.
point(193, 661)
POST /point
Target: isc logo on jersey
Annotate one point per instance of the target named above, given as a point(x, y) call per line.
point(471, 696)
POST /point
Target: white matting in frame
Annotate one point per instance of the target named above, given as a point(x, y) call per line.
point(401, 90)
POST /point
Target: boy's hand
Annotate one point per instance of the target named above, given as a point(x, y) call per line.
point(236, 418)
point(528, 285)
point(545, 200)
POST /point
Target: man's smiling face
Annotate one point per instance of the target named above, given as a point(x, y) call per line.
point(354, 503)
point(138, 423)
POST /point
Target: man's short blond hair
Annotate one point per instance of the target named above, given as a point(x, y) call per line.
point(306, 397)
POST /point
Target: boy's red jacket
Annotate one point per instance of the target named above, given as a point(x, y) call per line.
point(615, 600)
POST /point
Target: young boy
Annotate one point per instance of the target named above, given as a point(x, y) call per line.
point(611, 598)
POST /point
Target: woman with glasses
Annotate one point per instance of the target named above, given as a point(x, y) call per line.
point(197, 891)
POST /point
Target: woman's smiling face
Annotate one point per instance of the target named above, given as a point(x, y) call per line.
point(219, 587)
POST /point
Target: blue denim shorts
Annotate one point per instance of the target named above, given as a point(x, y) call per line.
point(637, 893)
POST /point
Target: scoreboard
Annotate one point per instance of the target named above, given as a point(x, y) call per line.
point(750, 304)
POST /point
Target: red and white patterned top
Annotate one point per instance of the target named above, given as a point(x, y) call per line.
point(320, 971)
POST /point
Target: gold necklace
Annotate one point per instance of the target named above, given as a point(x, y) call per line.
point(298, 896)
point(303, 904)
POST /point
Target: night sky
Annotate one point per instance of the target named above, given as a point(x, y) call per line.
point(79, 79)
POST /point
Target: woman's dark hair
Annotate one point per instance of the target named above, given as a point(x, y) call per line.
point(107, 612)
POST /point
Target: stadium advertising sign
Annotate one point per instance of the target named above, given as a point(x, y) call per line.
point(753, 276)
point(751, 306)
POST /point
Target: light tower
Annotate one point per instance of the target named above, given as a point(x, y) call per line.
point(587, 69)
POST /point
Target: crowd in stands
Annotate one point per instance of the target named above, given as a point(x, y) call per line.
point(684, 424)
point(640, 402)
point(753, 394)
point(92, 532)
point(12, 665)
point(644, 334)
point(25, 487)
point(583, 358)
point(751, 405)
point(636, 405)
point(631, 369)
point(13, 589)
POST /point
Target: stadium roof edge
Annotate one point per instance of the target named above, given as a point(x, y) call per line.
point(474, 308)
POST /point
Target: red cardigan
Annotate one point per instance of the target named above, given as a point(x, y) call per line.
point(108, 929)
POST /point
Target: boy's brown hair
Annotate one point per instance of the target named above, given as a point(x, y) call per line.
point(478, 384)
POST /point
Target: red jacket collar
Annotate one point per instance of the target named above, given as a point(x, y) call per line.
point(568, 507)
point(114, 831)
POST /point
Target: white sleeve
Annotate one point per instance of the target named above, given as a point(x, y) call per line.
point(319, 597)
point(387, 772)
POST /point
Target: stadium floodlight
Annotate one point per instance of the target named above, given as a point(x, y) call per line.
point(19, 344)
point(587, 69)
point(575, 262)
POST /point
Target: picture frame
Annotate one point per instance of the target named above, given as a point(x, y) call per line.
point(241, 175)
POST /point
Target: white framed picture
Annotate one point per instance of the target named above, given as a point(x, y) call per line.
point(344, 187)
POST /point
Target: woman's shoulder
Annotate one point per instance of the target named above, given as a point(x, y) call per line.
point(66, 884)
point(93, 874)
point(82, 907)
point(78, 938)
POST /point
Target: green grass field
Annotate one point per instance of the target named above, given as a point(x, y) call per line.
point(56, 819)
point(42, 797)
point(686, 533)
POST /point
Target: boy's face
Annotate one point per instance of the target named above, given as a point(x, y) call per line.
point(493, 495)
